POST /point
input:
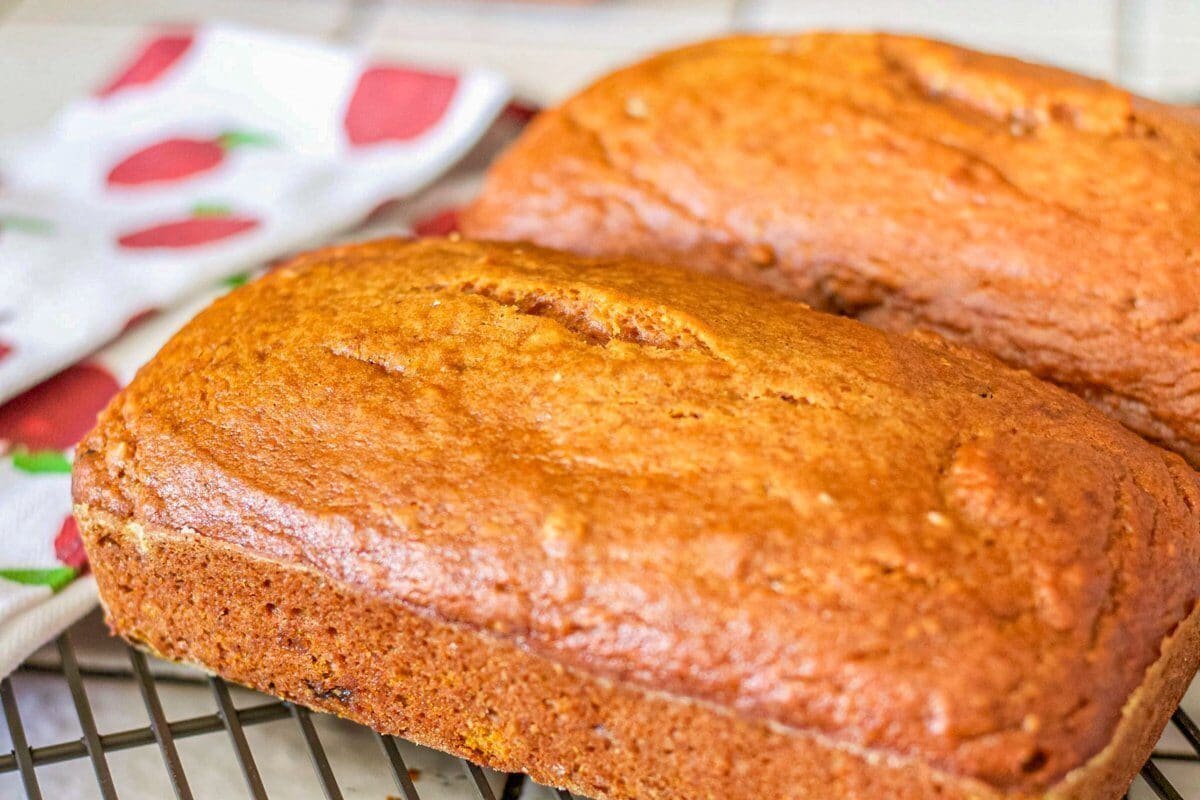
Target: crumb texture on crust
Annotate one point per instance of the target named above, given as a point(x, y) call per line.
point(679, 482)
point(1041, 216)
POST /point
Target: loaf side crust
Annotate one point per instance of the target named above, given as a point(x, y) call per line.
point(288, 631)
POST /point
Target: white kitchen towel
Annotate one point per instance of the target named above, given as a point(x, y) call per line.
point(213, 151)
point(43, 581)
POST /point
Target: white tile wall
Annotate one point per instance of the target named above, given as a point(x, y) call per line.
point(302, 16)
point(1078, 34)
point(36, 78)
point(53, 50)
point(551, 49)
point(1160, 49)
point(547, 50)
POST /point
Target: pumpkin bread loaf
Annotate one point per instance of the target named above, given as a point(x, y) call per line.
point(1049, 219)
point(646, 534)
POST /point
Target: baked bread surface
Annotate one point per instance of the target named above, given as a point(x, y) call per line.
point(698, 490)
point(1044, 217)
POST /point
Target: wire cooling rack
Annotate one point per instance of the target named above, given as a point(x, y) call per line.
point(163, 732)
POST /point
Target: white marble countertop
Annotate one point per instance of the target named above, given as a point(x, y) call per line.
point(51, 50)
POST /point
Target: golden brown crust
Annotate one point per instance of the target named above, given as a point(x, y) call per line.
point(1041, 216)
point(285, 630)
point(681, 483)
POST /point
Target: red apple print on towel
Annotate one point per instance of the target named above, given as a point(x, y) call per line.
point(155, 58)
point(5, 350)
point(56, 413)
point(207, 224)
point(176, 159)
point(442, 223)
point(391, 104)
point(68, 546)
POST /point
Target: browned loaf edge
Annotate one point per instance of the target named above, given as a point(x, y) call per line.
point(672, 482)
point(289, 632)
point(1049, 219)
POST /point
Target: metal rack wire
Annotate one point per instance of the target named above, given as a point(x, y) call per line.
point(162, 732)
